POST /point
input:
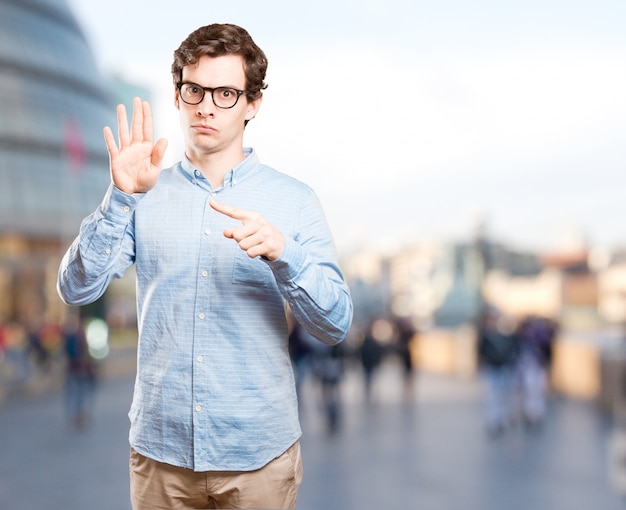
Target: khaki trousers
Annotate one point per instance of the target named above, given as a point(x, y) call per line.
point(155, 485)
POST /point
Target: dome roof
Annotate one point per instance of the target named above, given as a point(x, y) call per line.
point(54, 103)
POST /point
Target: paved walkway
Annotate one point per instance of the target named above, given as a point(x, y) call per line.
point(429, 452)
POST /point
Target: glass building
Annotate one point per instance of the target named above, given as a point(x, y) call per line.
point(54, 166)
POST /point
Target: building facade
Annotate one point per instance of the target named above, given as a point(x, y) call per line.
point(53, 161)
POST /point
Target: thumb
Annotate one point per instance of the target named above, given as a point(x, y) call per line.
point(158, 152)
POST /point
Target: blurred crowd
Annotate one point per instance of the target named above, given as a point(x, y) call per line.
point(364, 350)
point(28, 348)
point(51, 353)
point(514, 359)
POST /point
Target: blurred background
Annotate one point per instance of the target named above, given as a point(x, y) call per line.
point(469, 155)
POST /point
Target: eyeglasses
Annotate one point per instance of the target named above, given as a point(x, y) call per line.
point(223, 97)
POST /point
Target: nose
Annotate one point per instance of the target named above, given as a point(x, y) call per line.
point(205, 107)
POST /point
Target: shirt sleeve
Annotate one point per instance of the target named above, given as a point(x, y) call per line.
point(311, 281)
point(102, 251)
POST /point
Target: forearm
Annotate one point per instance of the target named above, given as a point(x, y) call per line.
point(316, 292)
point(101, 252)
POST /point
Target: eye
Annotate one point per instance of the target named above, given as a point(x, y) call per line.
point(226, 93)
point(191, 90)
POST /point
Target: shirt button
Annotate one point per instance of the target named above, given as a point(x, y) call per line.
point(126, 208)
point(201, 316)
point(200, 359)
point(107, 251)
point(197, 172)
point(205, 274)
point(213, 193)
point(207, 232)
point(198, 408)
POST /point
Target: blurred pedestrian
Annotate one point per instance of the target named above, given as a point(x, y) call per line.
point(371, 355)
point(301, 347)
point(16, 352)
point(215, 395)
point(38, 353)
point(328, 369)
point(80, 378)
point(498, 353)
point(406, 338)
point(536, 336)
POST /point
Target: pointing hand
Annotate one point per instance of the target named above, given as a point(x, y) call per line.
point(256, 236)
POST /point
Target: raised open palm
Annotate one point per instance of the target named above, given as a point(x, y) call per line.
point(136, 162)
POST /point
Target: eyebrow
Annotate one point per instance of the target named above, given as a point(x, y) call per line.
point(208, 87)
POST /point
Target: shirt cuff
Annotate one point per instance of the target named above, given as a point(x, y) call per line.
point(118, 206)
point(291, 262)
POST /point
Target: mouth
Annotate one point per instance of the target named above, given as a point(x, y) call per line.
point(203, 128)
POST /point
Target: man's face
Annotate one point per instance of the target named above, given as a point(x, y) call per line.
point(208, 129)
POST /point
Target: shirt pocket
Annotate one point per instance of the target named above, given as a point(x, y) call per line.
point(249, 271)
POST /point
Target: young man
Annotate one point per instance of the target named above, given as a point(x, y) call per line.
point(220, 242)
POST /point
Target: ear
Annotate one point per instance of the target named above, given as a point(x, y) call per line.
point(253, 108)
point(176, 99)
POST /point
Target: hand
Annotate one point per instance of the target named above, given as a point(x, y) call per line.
point(136, 164)
point(257, 237)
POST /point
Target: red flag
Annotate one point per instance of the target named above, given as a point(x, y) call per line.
point(75, 147)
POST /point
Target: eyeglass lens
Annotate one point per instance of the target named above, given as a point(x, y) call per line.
point(223, 97)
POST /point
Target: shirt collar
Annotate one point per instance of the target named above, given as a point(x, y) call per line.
point(234, 176)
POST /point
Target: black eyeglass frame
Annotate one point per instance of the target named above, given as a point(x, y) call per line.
point(212, 91)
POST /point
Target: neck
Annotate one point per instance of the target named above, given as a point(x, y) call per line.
point(214, 166)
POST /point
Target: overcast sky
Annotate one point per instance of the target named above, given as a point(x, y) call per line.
point(414, 120)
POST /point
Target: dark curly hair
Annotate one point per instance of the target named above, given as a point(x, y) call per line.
point(217, 40)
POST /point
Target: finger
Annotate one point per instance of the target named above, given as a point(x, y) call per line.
point(109, 139)
point(257, 250)
point(246, 242)
point(245, 233)
point(237, 233)
point(136, 134)
point(259, 246)
point(230, 211)
point(147, 122)
point(122, 126)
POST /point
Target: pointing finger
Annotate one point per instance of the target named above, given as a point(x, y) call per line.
point(230, 211)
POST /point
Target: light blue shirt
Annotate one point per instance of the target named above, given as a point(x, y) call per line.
point(214, 388)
